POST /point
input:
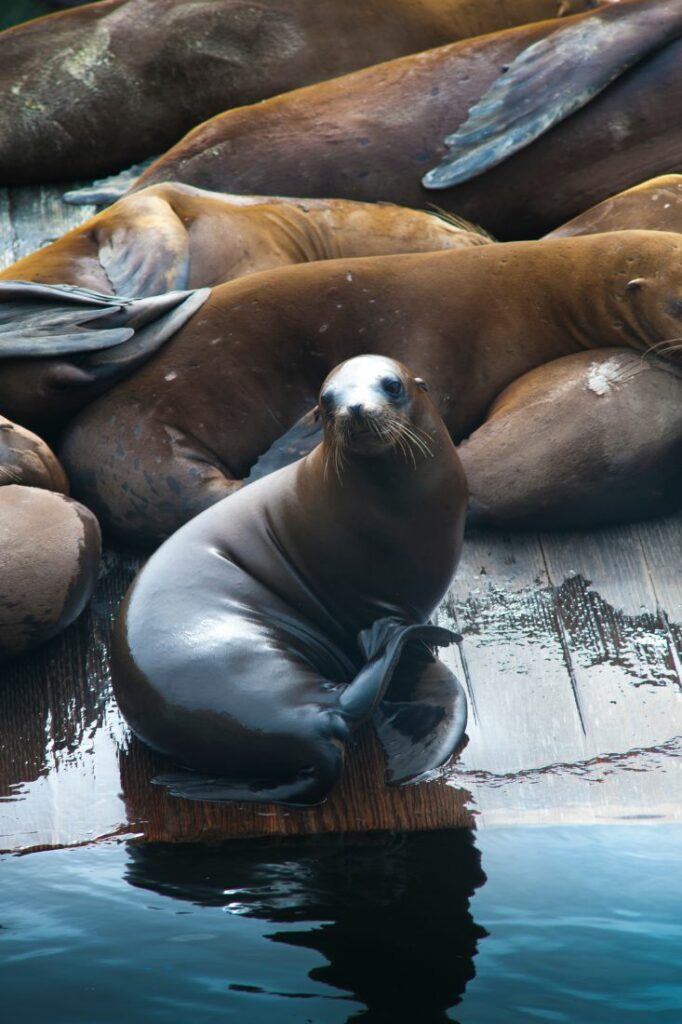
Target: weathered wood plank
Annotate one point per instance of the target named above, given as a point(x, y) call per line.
point(39, 216)
point(7, 236)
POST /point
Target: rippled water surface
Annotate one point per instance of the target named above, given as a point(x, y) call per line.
point(576, 924)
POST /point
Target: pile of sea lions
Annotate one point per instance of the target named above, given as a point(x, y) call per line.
point(273, 388)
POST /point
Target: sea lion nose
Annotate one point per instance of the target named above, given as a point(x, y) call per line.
point(357, 410)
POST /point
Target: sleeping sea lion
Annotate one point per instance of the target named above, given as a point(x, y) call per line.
point(186, 429)
point(172, 236)
point(263, 632)
point(49, 555)
point(27, 460)
point(93, 89)
point(377, 133)
point(655, 205)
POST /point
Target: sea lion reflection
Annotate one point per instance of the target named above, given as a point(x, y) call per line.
point(390, 914)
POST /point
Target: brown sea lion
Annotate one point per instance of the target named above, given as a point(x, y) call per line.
point(49, 555)
point(655, 205)
point(25, 459)
point(591, 438)
point(262, 633)
point(185, 430)
point(95, 88)
point(373, 134)
point(173, 236)
point(93, 340)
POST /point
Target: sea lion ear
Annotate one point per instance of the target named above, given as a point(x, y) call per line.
point(316, 413)
point(421, 384)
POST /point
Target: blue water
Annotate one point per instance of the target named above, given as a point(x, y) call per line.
point(571, 925)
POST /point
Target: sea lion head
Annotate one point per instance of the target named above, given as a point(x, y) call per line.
point(370, 405)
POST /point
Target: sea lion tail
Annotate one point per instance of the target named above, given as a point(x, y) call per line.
point(551, 79)
point(112, 335)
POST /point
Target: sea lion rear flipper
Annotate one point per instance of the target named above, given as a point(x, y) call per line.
point(298, 441)
point(550, 80)
point(144, 251)
point(111, 335)
point(421, 722)
point(304, 790)
point(107, 190)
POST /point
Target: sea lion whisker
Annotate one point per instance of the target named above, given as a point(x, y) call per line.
point(420, 442)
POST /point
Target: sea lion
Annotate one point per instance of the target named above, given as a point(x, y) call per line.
point(172, 236)
point(96, 88)
point(49, 554)
point(655, 205)
point(263, 632)
point(185, 430)
point(26, 459)
point(374, 133)
point(591, 438)
point(93, 340)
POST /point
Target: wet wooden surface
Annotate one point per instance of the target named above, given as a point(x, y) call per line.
point(572, 659)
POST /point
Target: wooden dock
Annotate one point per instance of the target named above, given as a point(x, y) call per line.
point(572, 660)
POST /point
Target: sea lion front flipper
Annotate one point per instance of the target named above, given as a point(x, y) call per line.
point(107, 190)
point(550, 80)
point(110, 335)
point(383, 644)
point(298, 441)
point(421, 721)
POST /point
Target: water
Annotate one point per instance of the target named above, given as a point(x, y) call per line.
point(539, 924)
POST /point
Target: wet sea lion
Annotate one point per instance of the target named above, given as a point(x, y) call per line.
point(49, 555)
point(173, 236)
point(655, 205)
point(27, 460)
point(263, 632)
point(375, 133)
point(185, 430)
point(96, 88)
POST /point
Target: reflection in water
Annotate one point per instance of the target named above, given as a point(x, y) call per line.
point(389, 914)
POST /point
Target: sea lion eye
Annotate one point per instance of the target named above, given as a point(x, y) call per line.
point(393, 386)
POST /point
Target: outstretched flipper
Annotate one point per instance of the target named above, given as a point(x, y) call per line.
point(298, 441)
point(110, 335)
point(552, 79)
point(107, 190)
point(421, 721)
point(299, 792)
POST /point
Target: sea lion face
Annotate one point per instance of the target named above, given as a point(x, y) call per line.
point(367, 405)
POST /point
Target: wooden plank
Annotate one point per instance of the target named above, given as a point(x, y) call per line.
point(512, 657)
point(7, 236)
point(40, 216)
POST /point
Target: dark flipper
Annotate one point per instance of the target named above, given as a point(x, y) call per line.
point(111, 336)
point(301, 791)
point(383, 644)
point(421, 722)
point(550, 80)
point(298, 441)
point(107, 190)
